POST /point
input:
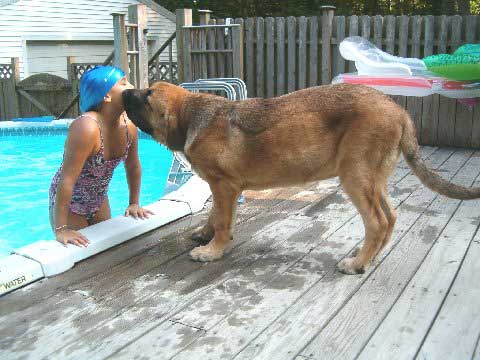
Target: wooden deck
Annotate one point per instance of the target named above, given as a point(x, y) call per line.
point(276, 294)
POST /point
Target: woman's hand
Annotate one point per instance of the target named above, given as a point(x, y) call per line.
point(66, 236)
point(137, 211)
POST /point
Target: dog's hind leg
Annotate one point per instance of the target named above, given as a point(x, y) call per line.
point(222, 216)
point(366, 194)
point(391, 215)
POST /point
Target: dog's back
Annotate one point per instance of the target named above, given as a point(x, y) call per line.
point(303, 136)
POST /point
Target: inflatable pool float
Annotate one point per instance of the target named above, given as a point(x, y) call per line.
point(468, 49)
point(457, 67)
point(370, 60)
point(413, 85)
point(463, 64)
point(396, 75)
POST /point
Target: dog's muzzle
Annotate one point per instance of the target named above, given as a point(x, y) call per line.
point(131, 98)
point(134, 106)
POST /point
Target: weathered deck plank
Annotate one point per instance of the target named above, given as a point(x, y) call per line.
point(208, 315)
point(346, 334)
point(133, 303)
point(228, 330)
point(302, 322)
point(40, 291)
point(114, 290)
point(402, 331)
point(280, 277)
point(476, 355)
point(455, 332)
point(94, 270)
point(256, 238)
point(113, 283)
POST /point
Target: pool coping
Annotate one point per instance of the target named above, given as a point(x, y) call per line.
point(33, 124)
point(46, 258)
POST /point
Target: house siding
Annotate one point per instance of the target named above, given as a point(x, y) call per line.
point(78, 24)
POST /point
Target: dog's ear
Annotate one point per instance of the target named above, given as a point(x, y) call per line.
point(155, 112)
point(176, 136)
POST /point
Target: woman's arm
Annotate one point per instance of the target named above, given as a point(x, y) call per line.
point(133, 170)
point(80, 144)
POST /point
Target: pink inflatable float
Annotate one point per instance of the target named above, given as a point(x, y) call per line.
point(413, 85)
point(395, 75)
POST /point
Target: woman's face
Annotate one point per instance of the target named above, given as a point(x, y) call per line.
point(115, 93)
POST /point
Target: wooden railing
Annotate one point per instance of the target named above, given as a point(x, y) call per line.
point(75, 71)
point(163, 70)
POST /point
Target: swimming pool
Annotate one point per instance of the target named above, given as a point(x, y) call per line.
point(28, 163)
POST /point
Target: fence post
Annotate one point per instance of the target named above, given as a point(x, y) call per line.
point(203, 58)
point(237, 39)
point(204, 16)
point(327, 20)
point(15, 110)
point(137, 14)
point(120, 42)
point(9, 101)
point(73, 81)
point(184, 18)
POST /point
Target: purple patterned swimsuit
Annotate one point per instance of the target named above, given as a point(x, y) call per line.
point(91, 187)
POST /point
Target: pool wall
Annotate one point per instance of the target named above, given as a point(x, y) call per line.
point(48, 257)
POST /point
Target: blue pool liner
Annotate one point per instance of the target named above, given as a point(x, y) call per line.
point(35, 119)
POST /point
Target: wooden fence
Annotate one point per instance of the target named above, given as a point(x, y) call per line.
point(37, 95)
point(212, 51)
point(163, 70)
point(214, 48)
point(287, 54)
point(40, 94)
point(281, 55)
point(43, 94)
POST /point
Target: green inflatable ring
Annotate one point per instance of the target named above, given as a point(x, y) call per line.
point(463, 67)
point(468, 49)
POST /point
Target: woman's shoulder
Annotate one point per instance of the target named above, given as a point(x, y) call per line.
point(85, 126)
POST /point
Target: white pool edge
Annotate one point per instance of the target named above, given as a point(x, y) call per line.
point(46, 258)
point(32, 124)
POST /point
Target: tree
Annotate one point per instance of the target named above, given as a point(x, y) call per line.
point(252, 8)
point(463, 7)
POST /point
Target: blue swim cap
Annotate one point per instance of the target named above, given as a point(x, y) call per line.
point(95, 84)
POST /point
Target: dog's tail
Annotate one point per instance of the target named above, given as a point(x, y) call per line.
point(411, 152)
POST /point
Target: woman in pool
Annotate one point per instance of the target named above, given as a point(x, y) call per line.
point(97, 141)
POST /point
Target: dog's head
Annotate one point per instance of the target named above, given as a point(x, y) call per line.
point(155, 110)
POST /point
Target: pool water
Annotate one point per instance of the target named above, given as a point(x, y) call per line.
point(28, 164)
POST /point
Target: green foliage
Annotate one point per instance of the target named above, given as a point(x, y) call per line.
point(252, 8)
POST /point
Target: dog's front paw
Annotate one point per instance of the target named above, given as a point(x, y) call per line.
point(202, 235)
point(200, 238)
point(350, 267)
point(355, 251)
point(206, 253)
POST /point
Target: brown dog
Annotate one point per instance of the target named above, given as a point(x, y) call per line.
point(349, 131)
